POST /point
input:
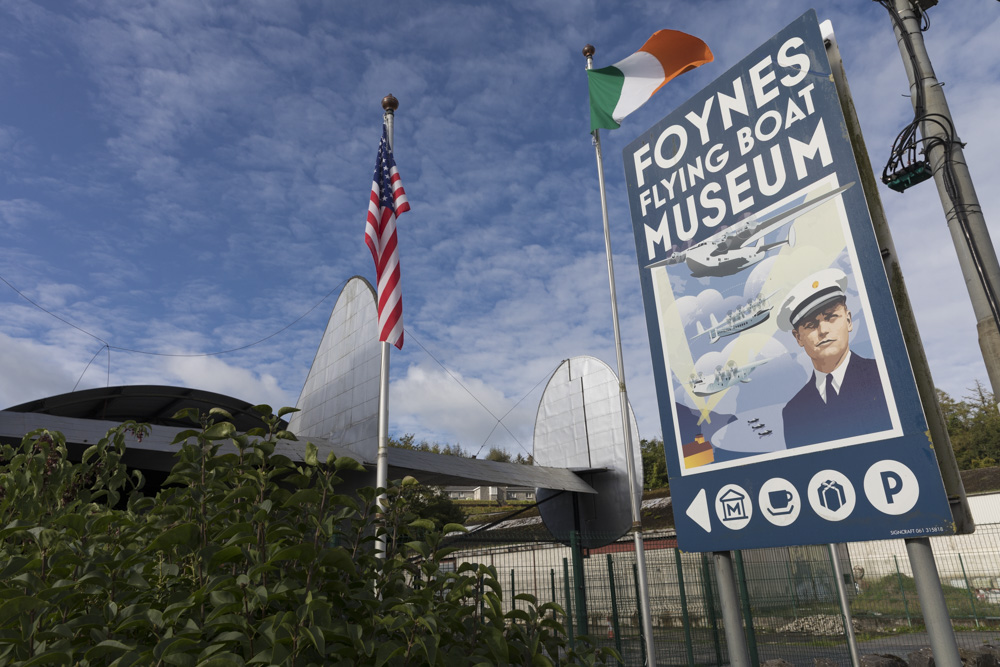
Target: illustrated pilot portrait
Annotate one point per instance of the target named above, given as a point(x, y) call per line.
point(843, 397)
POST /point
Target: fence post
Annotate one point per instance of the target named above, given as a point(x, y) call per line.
point(741, 577)
point(513, 602)
point(899, 578)
point(579, 582)
point(552, 575)
point(968, 587)
point(638, 612)
point(706, 580)
point(614, 606)
point(684, 607)
point(569, 606)
point(791, 587)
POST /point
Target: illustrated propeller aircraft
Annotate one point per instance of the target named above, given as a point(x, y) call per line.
point(763, 433)
point(753, 421)
point(740, 246)
point(723, 378)
point(747, 316)
point(757, 426)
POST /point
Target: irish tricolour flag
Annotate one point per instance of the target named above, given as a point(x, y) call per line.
point(620, 89)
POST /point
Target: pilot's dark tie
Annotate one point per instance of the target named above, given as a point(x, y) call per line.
point(831, 393)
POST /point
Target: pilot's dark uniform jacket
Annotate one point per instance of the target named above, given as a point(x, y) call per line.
point(858, 408)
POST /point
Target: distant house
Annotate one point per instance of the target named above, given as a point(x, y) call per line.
point(494, 493)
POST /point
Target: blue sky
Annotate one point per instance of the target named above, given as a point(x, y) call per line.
point(185, 177)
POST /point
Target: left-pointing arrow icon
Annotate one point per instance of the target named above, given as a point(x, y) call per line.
point(698, 511)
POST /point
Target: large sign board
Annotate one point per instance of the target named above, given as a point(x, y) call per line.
point(788, 406)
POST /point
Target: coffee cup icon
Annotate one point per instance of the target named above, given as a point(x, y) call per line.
point(780, 502)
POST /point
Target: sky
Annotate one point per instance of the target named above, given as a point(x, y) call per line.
point(181, 178)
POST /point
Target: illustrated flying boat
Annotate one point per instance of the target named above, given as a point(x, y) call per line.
point(723, 377)
point(753, 312)
point(741, 245)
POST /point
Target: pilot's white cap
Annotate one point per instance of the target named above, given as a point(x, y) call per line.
point(814, 291)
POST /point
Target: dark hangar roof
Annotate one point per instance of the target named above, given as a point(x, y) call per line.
point(153, 404)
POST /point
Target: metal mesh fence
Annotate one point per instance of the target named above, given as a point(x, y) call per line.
point(789, 596)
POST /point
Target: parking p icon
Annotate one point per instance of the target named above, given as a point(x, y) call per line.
point(892, 484)
point(891, 487)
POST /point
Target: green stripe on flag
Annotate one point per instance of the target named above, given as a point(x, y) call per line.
point(605, 90)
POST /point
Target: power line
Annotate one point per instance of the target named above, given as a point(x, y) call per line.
point(167, 354)
point(499, 420)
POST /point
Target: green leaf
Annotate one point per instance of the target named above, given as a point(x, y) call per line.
point(426, 524)
point(184, 435)
point(225, 555)
point(186, 534)
point(496, 644)
point(315, 636)
point(53, 657)
point(220, 413)
point(349, 464)
point(172, 645)
point(16, 606)
point(222, 660)
point(386, 651)
point(106, 648)
point(191, 414)
point(339, 558)
point(300, 552)
point(311, 454)
point(302, 497)
point(219, 431)
point(285, 410)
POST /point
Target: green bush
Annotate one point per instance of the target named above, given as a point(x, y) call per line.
point(244, 557)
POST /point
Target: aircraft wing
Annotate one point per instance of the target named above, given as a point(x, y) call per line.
point(734, 236)
point(754, 364)
point(676, 258)
point(762, 227)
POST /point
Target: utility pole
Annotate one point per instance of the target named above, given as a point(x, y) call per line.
point(943, 151)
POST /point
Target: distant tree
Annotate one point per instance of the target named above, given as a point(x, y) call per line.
point(528, 460)
point(654, 464)
point(432, 502)
point(974, 427)
point(497, 454)
point(409, 441)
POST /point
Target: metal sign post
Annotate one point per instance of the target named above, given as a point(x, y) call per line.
point(925, 572)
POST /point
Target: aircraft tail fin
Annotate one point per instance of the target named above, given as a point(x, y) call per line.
point(711, 318)
point(701, 329)
point(350, 419)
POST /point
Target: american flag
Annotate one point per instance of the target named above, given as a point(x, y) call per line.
point(388, 200)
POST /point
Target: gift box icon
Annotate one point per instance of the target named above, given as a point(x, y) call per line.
point(831, 495)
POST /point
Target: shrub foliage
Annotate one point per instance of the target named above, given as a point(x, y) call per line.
point(244, 557)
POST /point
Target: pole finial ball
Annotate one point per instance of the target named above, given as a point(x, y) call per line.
point(390, 103)
point(589, 50)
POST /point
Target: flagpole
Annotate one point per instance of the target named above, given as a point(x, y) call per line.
point(389, 106)
point(635, 491)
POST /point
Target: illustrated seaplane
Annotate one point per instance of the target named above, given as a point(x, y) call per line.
point(753, 312)
point(724, 377)
point(741, 245)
